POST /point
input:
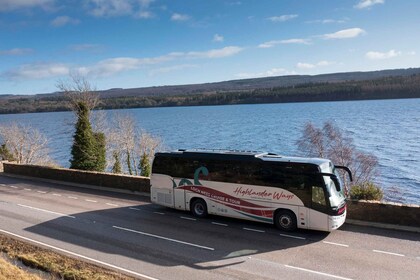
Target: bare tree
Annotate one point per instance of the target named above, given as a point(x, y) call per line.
point(26, 144)
point(331, 142)
point(78, 90)
point(128, 143)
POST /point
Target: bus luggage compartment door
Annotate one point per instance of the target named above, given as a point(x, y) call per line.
point(179, 197)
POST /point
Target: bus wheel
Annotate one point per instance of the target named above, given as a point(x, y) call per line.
point(199, 208)
point(285, 220)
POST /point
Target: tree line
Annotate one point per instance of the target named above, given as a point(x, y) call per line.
point(382, 88)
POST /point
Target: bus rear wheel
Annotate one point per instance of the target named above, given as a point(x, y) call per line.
point(199, 208)
point(285, 220)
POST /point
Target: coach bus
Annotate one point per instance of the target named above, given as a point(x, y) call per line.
point(289, 192)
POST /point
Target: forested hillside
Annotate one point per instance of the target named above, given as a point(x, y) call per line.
point(392, 87)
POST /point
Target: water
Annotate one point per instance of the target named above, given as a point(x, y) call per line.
point(389, 129)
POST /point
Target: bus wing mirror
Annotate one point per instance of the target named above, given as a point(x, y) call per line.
point(347, 170)
point(335, 180)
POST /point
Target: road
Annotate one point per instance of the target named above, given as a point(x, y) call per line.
point(127, 233)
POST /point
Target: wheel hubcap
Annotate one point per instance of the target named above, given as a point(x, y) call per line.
point(285, 221)
point(199, 209)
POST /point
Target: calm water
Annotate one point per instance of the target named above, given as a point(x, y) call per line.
point(390, 129)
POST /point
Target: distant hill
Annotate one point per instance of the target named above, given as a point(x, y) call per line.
point(385, 84)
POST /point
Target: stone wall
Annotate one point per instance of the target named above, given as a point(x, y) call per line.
point(388, 213)
point(109, 180)
point(369, 211)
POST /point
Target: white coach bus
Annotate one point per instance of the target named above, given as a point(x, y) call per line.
point(290, 192)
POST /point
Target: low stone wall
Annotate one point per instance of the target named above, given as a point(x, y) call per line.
point(109, 180)
point(369, 211)
point(388, 213)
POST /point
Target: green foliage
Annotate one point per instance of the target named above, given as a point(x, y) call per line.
point(116, 168)
point(86, 152)
point(5, 154)
point(100, 151)
point(144, 166)
point(368, 191)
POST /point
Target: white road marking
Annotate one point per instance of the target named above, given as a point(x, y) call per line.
point(13, 187)
point(112, 204)
point(188, 218)
point(41, 192)
point(56, 194)
point(292, 236)
point(388, 253)
point(80, 256)
point(317, 272)
point(72, 197)
point(219, 224)
point(337, 244)
point(133, 208)
point(27, 189)
point(90, 200)
point(160, 213)
point(255, 230)
point(47, 211)
point(164, 238)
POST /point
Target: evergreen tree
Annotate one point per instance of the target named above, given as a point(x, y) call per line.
point(116, 169)
point(144, 166)
point(5, 154)
point(100, 151)
point(84, 149)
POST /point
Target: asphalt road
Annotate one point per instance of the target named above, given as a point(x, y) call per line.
point(127, 233)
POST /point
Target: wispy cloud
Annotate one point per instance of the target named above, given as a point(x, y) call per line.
point(382, 55)
point(273, 43)
point(364, 4)
point(282, 18)
point(16, 51)
point(268, 73)
point(114, 8)
point(327, 21)
point(112, 66)
point(306, 66)
point(179, 17)
point(64, 20)
point(345, 34)
point(10, 5)
point(218, 38)
point(37, 71)
point(172, 69)
point(86, 47)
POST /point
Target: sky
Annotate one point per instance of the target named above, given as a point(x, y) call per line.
point(141, 43)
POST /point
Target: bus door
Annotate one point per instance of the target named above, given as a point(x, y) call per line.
point(318, 219)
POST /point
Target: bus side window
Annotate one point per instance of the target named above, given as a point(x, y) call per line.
point(318, 199)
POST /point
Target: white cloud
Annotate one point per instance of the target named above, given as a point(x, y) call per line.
point(327, 21)
point(218, 38)
point(382, 55)
point(112, 8)
point(64, 20)
point(37, 71)
point(172, 69)
point(282, 18)
point(179, 17)
point(271, 44)
point(16, 51)
point(306, 66)
point(10, 5)
point(363, 4)
point(268, 73)
point(345, 34)
point(111, 66)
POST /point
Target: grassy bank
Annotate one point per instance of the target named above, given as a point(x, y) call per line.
point(58, 266)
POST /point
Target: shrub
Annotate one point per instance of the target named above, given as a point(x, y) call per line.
point(367, 191)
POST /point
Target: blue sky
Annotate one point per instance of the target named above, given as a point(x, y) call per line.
point(138, 43)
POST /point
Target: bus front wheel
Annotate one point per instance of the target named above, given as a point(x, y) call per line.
point(285, 220)
point(199, 208)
